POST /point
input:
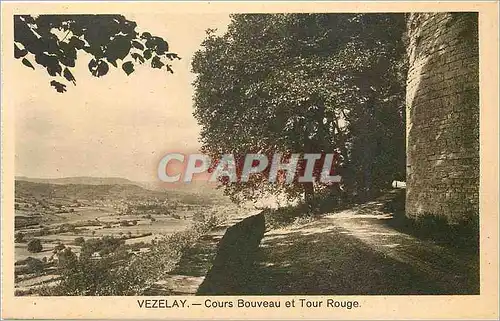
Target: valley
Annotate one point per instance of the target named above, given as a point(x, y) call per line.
point(66, 214)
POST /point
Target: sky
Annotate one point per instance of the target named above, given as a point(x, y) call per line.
point(116, 125)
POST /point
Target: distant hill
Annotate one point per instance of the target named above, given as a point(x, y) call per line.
point(66, 188)
point(82, 191)
point(84, 180)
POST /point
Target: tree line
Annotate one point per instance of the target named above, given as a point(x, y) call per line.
point(306, 83)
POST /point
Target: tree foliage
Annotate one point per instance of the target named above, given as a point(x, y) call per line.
point(35, 246)
point(19, 237)
point(305, 83)
point(54, 41)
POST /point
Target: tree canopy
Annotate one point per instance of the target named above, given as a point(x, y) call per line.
point(305, 83)
point(35, 246)
point(54, 41)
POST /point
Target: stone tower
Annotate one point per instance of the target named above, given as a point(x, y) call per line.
point(442, 113)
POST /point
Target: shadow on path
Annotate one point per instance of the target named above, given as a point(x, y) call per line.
point(352, 252)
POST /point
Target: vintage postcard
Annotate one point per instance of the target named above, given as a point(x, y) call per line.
point(249, 160)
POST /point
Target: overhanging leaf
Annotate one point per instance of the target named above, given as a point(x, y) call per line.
point(27, 63)
point(76, 42)
point(138, 45)
point(107, 38)
point(147, 54)
point(18, 53)
point(172, 56)
point(118, 48)
point(146, 35)
point(128, 67)
point(69, 76)
point(98, 68)
point(157, 63)
point(136, 57)
point(61, 88)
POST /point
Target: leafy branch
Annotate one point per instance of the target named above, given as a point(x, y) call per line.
point(55, 40)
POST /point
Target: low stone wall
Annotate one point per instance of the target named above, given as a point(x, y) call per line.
point(235, 257)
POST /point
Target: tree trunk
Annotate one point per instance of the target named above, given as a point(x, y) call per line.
point(308, 193)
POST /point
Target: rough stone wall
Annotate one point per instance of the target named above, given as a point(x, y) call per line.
point(443, 116)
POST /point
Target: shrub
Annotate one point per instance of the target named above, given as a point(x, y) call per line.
point(44, 231)
point(210, 223)
point(19, 237)
point(198, 217)
point(29, 265)
point(104, 246)
point(79, 241)
point(67, 260)
point(66, 228)
point(35, 246)
point(276, 218)
point(34, 265)
point(124, 223)
point(59, 247)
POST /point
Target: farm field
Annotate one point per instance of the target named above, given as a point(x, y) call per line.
point(65, 216)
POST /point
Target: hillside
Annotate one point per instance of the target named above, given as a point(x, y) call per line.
point(81, 191)
point(91, 188)
point(83, 180)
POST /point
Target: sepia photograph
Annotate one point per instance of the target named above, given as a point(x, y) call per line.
point(245, 156)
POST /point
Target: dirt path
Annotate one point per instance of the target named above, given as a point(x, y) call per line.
point(355, 252)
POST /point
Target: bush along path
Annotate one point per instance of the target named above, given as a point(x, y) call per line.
point(351, 252)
